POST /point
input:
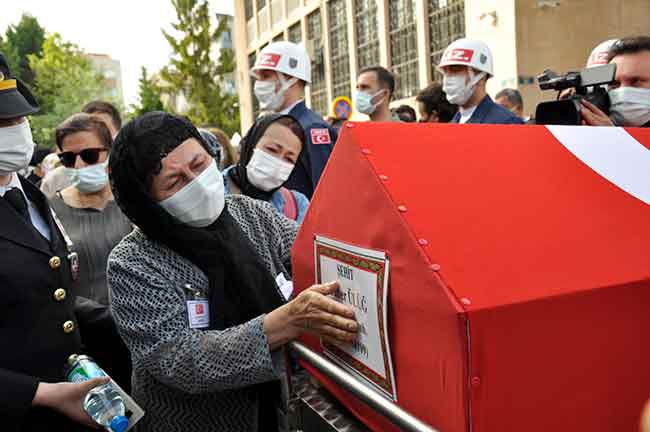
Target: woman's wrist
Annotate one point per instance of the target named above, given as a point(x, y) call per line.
point(44, 393)
point(279, 327)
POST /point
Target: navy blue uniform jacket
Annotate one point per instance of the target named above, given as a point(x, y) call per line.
point(320, 138)
point(488, 112)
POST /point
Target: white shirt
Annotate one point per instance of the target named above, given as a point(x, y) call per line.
point(289, 108)
point(35, 216)
point(466, 114)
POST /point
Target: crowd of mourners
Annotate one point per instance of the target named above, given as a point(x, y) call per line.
point(109, 239)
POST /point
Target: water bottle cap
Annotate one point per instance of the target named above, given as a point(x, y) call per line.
point(119, 424)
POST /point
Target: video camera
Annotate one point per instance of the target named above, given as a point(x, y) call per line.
point(587, 84)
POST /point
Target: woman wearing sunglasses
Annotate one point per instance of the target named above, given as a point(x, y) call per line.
point(95, 224)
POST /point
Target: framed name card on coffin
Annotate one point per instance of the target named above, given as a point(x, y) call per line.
point(363, 276)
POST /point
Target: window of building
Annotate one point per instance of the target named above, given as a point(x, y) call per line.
point(254, 103)
point(278, 37)
point(403, 47)
point(263, 16)
point(339, 48)
point(276, 12)
point(315, 46)
point(295, 33)
point(446, 24)
point(365, 16)
point(250, 22)
point(248, 9)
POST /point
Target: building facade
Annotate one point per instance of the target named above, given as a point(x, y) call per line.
point(409, 36)
point(111, 70)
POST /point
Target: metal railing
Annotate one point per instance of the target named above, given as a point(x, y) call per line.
point(374, 400)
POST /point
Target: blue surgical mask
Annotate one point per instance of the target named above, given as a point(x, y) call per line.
point(363, 102)
point(89, 179)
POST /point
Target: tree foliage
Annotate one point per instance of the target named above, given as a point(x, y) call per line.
point(65, 80)
point(195, 73)
point(149, 94)
point(22, 40)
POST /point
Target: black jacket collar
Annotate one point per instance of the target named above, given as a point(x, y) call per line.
point(15, 229)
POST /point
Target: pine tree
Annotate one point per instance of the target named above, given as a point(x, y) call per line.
point(22, 40)
point(149, 94)
point(193, 71)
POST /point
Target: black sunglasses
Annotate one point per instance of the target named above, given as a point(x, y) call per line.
point(90, 156)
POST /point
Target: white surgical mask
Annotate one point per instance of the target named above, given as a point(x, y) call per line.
point(632, 104)
point(363, 102)
point(88, 179)
point(16, 147)
point(201, 201)
point(268, 97)
point(458, 91)
point(267, 172)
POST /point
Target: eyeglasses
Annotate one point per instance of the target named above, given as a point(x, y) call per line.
point(90, 156)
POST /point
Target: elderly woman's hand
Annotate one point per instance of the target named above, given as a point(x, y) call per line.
point(314, 312)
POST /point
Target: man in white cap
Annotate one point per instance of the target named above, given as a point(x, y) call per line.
point(282, 71)
point(466, 66)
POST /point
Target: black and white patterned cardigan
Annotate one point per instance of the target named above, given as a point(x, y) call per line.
point(189, 380)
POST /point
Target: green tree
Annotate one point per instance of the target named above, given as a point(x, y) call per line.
point(22, 40)
point(194, 73)
point(64, 81)
point(149, 94)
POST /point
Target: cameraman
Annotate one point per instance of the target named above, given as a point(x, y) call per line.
point(630, 92)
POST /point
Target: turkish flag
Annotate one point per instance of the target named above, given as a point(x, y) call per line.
point(519, 269)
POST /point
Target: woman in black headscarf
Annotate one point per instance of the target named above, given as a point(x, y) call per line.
point(269, 153)
point(193, 288)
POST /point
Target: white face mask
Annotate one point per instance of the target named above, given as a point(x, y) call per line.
point(632, 104)
point(268, 98)
point(457, 89)
point(201, 201)
point(267, 172)
point(89, 179)
point(16, 147)
point(363, 102)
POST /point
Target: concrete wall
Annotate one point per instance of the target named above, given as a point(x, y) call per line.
point(494, 22)
point(561, 38)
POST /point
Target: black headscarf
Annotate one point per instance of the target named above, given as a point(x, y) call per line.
point(247, 146)
point(240, 286)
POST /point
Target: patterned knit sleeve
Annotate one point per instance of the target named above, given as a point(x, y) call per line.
point(286, 233)
point(271, 233)
point(281, 230)
point(152, 319)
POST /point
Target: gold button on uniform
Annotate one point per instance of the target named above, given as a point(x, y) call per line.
point(59, 295)
point(55, 262)
point(68, 327)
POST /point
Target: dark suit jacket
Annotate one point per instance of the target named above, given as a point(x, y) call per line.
point(315, 155)
point(488, 112)
point(33, 344)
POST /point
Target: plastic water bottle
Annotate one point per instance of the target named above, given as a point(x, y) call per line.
point(104, 404)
